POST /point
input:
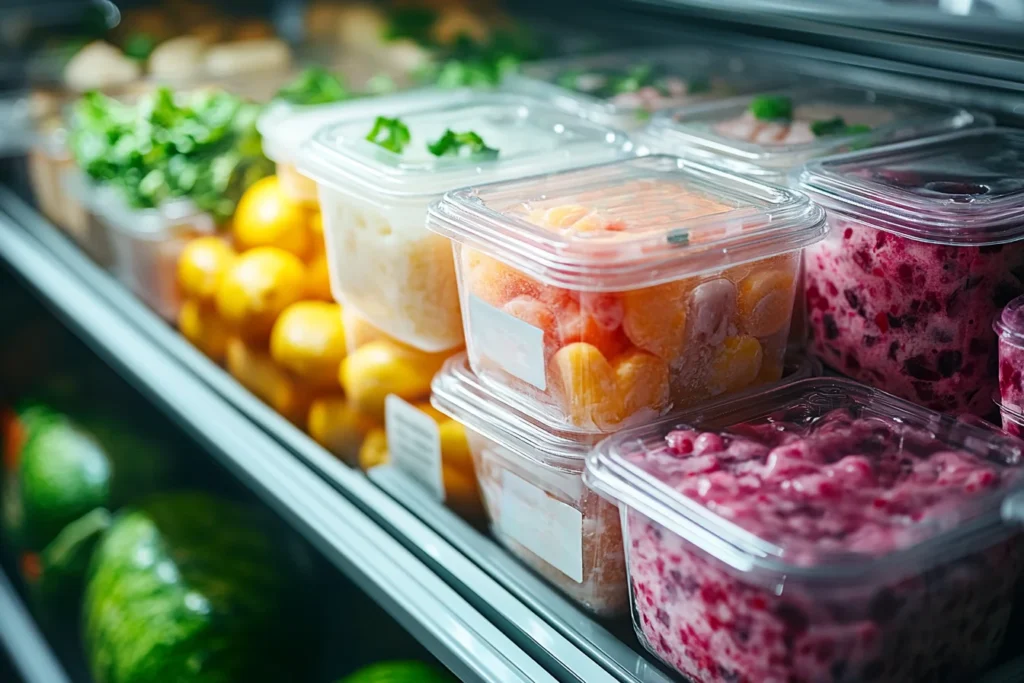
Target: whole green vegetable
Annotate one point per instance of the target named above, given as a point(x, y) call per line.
point(191, 588)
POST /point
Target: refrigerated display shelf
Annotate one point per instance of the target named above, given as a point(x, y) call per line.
point(557, 641)
point(25, 644)
point(458, 634)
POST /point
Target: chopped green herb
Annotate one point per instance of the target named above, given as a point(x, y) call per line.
point(139, 46)
point(414, 23)
point(391, 134)
point(698, 85)
point(771, 108)
point(837, 126)
point(315, 85)
point(638, 77)
point(452, 144)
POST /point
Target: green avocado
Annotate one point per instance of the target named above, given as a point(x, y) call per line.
point(188, 587)
point(399, 672)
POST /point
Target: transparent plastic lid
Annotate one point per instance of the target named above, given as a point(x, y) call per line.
point(647, 220)
point(521, 137)
point(776, 132)
point(109, 205)
point(285, 127)
point(632, 84)
point(822, 478)
point(964, 188)
point(457, 392)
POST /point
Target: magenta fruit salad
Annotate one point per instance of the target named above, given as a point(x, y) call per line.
point(924, 248)
point(817, 533)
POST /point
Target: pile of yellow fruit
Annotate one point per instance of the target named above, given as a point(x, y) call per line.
point(258, 301)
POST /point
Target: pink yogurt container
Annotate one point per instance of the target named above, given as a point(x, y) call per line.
point(925, 246)
point(821, 531)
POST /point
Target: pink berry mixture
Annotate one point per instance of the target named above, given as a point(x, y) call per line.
point(1010, 328)
point(910, 317)
point(843, 487)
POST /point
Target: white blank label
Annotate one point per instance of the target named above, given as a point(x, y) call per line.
point(516, 346)
point(414, 443)
point(551, 530)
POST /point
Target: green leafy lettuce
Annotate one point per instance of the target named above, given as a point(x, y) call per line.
point(203, 146)
point(315, 85)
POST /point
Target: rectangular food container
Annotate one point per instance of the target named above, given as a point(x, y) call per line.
point(605, 296)
point(382, 259)
point(925, 246)
point(531, 479)
point(772, 134)
point(622, 89)
point(822, 531)
point(285, 127)
point(146, 243)
point(1009, 327)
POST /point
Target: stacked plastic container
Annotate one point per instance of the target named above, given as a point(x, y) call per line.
point(1009, 327)
point(624, 89)
point(822, 531)
point(597, 298)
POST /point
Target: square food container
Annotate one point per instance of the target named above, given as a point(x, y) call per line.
point(925, 246)
point(622, 89)
point(772, 134)
point(600, 297)
point(821, 531)
point(285, 127)
point(146, 243)
point(382, 259)
point(531, 479)
point(1009, 327)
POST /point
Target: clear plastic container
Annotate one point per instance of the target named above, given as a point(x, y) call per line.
point(822, 531)
point(531, 478)
point(1010, 328)
point(146, 243)
point(925, 245)
point(622, 89)
point(374, 202)
point(770, 135)
point(603, 296)
point(285, 127)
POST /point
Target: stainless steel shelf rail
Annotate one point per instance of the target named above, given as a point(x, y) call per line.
point(27, 647)
point(459, 635)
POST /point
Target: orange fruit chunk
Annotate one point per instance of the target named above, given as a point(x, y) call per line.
point(642, 380)
point(588, 385)
point(736, 364)
point(493, 281)
point(594, 319)
point(765, 301)
point(655, 317)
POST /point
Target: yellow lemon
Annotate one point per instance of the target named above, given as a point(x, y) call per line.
point(257, 372)
point(318, 278)
point(267, 217)
point(455, 452)
point(201, 265)
point(382, 367)
point(257, 287)
point(200, 324)
point(309, 341)
point(374, 450)
point(337, 426)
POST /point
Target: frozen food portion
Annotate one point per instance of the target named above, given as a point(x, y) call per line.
point(924, 249)
point(777, 120)
point(818, 538)
point(1010, 328)
point(624, 89)
point(531, 480)
point(773, 133)
point(378, 174)
point(581, 332)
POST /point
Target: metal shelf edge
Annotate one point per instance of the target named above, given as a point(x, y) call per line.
point(459, 635)
point(24, 642)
